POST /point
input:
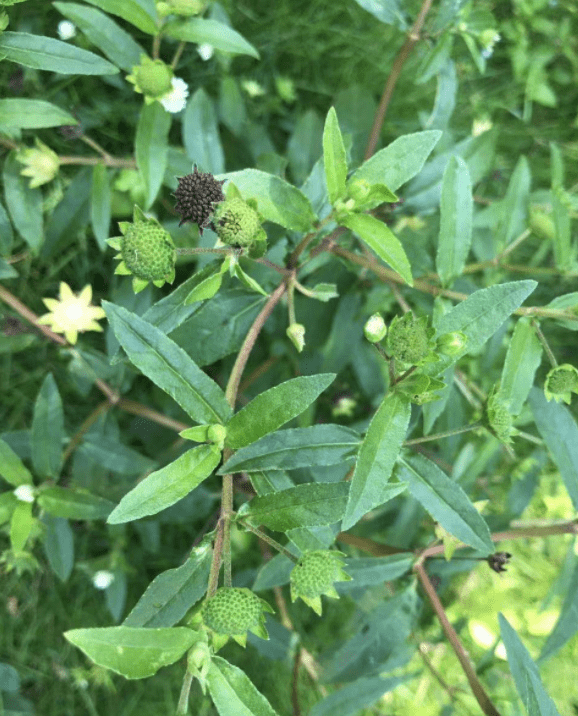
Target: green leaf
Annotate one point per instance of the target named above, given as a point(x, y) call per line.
point(104, 33)
point(46, 53)
point(360, 694)
point(151, 147)
point(32, 114)
point(21, 525)
point(522, 360)
point(560, 433)
point(376, 458)
point(277, 200)
point(436, 58)
point(233, 693)
point(446, 502)
point(275, 407)
point(386, 11)
point(24, 203)
point(12, 468)
point(220, 36)
point(567, 624)
point(201, 135)
point(70, 216)
point(299, 447)
point(514, 207)
point(6, 233)
point(167, 365)
point(59, 546)
point(100, 205)
point(204, 284)
point(561, 215)
point(480, 316)
point(305, 145)
point(525, 673)
point(133, 11)
point(379, 237)
point(47, 430)
point(172, 593)
point(399, 161)
point(133, 653)
point(74, 503)
point(334, 159)
point(163, 488)
point(367, 572)
point(308, 505)
point(112, 455)
point(456, 209)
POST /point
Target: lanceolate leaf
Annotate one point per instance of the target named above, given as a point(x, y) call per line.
point(480, 316)
point(151, 146)
point(12, 468)
point(525, 673)
point(379, 237)
point(172, 593)
point(233, 693)
point(100, 205)
point(307, 505)
point(167, 365)
point(132, 11)
point(369, 571)
point(201, 135)
point(133, 653)
point(58, 542)
point(560, 433)
point(163, 488)
point(561, 215)
point(334, 157)
point(456, 209)
point(47, 430)
point(399, 161)
point(74, 504)
point(46, 53)
point(32, 114)
point(359, 694)
point(275, 407)
point(515, 205)
point(522, 360)
point(291, 449)
point(220, 36)
point(24, 204)
point(377, 455)
point(446, 502)
point(104, 33)
point(567, 624)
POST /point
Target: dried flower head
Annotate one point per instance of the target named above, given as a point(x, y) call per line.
point(196, 195)
point(498, 560)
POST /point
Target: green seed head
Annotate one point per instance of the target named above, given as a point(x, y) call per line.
point(148, 251)
point(497, 417)
point(314, 575)
point(152, 77)
point(232, 610)
point(237, 223)
point(408, 339)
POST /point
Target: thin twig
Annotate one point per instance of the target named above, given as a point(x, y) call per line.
point(295, 684)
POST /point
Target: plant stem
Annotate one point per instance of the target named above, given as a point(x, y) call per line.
point(478, 690)
point(183, 705)
point(270, 541)
point(439, 436)
point(545, 344)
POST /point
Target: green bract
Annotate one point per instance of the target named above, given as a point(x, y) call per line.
point(238, 224)
point(232, 612)
point(497, 418)
point(314, 574)
point(147, 251)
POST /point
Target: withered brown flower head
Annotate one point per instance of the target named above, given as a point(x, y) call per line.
point(498, 560)
point(195, 195)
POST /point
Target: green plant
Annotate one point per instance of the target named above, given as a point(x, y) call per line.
point(334, 304)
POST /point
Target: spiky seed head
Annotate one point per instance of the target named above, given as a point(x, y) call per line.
point(561, 382)
point(314, 575)
point(196, 195)
point(497, 418)
point(237, 223)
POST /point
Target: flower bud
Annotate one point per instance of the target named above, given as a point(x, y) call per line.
point(151, 78)
point(41, 164)
point(541, 224)
point(409, 339)
point(452, 344)
point(296, 333)
point(375, 328)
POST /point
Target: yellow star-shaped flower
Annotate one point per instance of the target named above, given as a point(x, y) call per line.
point(72, 314)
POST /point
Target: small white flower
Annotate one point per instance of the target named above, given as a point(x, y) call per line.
point(66, 30)
point(176, 99)
point(103, 579)
point(24, 493)
point(206, 51)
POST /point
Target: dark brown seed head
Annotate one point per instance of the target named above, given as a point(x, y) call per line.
point(195, 195)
